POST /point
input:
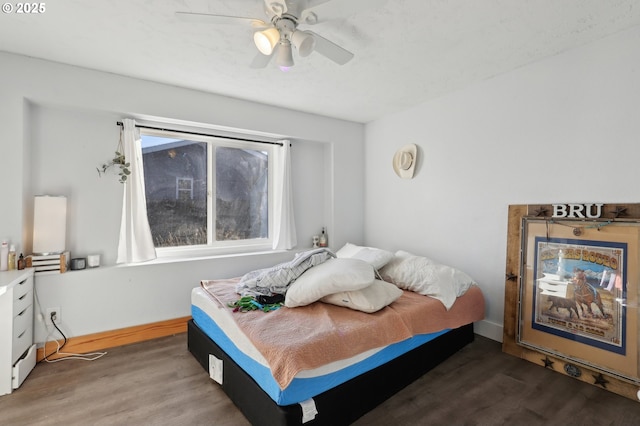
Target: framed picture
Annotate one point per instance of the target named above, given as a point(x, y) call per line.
point(571, 295)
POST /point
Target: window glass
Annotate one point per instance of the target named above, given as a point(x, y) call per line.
point(241, 194)
point(203, 191)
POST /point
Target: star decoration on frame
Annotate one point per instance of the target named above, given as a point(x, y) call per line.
point(547, 362)
point(600, 380)
point(619, 211)
point(511, 277)
point(540, 211)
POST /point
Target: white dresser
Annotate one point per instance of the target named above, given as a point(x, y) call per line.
point(17, 350)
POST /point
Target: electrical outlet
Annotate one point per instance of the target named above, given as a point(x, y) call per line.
point(57, 316)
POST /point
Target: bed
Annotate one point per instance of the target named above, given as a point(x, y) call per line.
point(274, 379)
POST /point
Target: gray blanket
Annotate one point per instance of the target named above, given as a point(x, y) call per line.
point(278, 278)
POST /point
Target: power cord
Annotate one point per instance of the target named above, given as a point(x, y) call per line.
point(84, 357)
point(46, 357)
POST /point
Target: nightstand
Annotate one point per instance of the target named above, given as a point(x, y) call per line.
point(17, 350)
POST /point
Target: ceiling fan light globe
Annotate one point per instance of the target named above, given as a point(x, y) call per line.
point(284, 57)
point(266, 40)
point(304, 42)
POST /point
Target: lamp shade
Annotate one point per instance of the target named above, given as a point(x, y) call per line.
point(304, 42)
point(284, 57)
point(266, 40)
point(49, 224)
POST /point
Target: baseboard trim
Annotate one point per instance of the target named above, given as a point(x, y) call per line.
point(111, 339)
point(140, 333)
point(488, 329)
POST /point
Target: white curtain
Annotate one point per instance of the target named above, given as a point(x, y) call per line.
point(284, 226)
point(136, 242)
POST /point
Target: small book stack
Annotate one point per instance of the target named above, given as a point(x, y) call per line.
point(49, 264)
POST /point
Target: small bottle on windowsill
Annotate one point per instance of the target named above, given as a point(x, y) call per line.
point(323, 239)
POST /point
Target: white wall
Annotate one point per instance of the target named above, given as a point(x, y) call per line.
point(58, 123)
point(566, 129)
point(561, 130)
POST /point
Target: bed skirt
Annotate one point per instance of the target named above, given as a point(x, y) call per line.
point(341, 405)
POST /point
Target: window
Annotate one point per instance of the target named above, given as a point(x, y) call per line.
point(184, 188)
point(206, 192)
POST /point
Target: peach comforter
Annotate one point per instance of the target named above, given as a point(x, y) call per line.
point(297, 339)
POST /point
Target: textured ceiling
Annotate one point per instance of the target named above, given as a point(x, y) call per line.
point(406, 51)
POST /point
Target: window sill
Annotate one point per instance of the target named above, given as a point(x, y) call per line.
point(161, 260)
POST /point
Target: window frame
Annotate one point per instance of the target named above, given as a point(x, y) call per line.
point(180, 190)
point(213, 247)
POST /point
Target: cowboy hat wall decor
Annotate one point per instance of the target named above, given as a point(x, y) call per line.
point(404, 161)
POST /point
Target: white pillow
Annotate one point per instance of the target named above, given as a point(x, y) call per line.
point(348, 250)
point(404, 254)
point(369, 299)
point(373, 256)
point(424, 276)
point(390, 270)
point(332, 276)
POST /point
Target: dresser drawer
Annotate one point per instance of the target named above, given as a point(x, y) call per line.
point(21, 303)
point(23, 367)
point(22, 288)
point(22, 332)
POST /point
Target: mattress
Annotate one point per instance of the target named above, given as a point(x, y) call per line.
point(337, 406)
point(218, 324)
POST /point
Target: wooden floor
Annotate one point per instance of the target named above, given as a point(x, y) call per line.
point(160, 383)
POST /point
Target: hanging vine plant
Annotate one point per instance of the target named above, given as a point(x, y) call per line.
point(119, 161)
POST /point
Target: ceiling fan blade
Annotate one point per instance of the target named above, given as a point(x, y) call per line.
point(327, 10)
point(277, 7)
point(220, 19)
point(331, 50)
point(260, 60)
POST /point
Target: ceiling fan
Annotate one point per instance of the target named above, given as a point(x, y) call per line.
point(278, 35)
